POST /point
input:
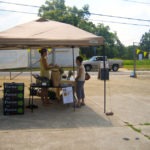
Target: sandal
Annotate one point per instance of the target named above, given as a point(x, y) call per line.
point(78, 106)
point(82, 104)
point(46, 103)
point(50, 101)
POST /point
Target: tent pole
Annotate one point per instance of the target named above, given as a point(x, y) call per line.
point(74, 98)
point(73, 61)
point(54, 56)
point(30, 67)
point(10, 75)
point(104, 53)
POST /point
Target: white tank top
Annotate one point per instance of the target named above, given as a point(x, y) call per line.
point(82, 77)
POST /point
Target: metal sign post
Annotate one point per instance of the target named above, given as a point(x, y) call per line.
point(134, 56)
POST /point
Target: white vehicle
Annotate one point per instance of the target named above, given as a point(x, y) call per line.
point(95, 61)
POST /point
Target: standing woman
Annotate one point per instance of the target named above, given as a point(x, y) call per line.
point(44, 72)
point(80, 79)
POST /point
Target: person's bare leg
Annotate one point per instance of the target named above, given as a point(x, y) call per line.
point(46, 96)
point(83, 103)
point(42, 96)
point(79, 103)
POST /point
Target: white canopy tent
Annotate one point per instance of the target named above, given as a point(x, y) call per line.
point(46, 33)
point(49, 34)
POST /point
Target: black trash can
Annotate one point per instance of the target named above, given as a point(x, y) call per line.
point(104, 74)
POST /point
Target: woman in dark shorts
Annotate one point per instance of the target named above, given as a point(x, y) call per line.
point(80, 79)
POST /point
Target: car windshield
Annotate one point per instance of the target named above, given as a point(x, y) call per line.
point(97, 58)
point(92, 58)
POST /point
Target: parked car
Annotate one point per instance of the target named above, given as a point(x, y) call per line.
point(95, 61)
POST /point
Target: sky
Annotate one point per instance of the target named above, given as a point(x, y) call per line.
point(128, 34)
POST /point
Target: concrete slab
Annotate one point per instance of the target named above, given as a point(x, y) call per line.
point(58, 127)
point(115, 138)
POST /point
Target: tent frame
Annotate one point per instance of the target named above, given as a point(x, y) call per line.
point(31, 35)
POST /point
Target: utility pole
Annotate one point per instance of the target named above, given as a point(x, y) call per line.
point(134, 67)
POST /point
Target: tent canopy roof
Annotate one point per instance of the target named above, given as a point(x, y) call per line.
point(47, 33)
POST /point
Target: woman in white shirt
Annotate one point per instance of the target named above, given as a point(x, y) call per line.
point(80, 79)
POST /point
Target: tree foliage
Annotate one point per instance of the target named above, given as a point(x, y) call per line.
point(145, 42)
point(58, 11)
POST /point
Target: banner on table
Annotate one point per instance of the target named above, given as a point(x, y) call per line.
point(67, 95)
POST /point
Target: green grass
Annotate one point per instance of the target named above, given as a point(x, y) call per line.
point(138, 130)
point(132, 127)
point(147, 136)
point(138, 67)
point(140, 64)
point(145, 124)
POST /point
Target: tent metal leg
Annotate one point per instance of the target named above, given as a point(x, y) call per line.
point(104, 94)
point(73, 60)
point(104, 53)
point(10, 75)
point(30, 66)
point(74, 98)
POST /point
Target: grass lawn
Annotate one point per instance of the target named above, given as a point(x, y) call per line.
point(138, 67)
point(143, 65)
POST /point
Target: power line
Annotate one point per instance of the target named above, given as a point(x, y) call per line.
point(90, 13)
point(39, 6)
point(18, 11)
point(89, 19)
point(121, 22)
point(137, 2)
point(128, 18)
point(120, 17)
point(19, 4)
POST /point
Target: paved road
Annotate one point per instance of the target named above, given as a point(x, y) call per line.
point(93, 73)
point(128, 72)
point(58, 127)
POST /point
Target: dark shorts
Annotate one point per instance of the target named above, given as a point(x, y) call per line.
point(80, 90)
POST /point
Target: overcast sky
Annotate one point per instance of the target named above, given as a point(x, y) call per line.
point(124, 8)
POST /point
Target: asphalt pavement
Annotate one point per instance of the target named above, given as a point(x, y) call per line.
point(59, 127)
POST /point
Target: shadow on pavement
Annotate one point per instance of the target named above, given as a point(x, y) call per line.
point(54, 116)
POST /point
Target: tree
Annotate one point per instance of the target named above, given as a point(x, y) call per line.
point(53, 10)
point(130, 52)
point(145, 42)
point(114, 47)
point(58, 11)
